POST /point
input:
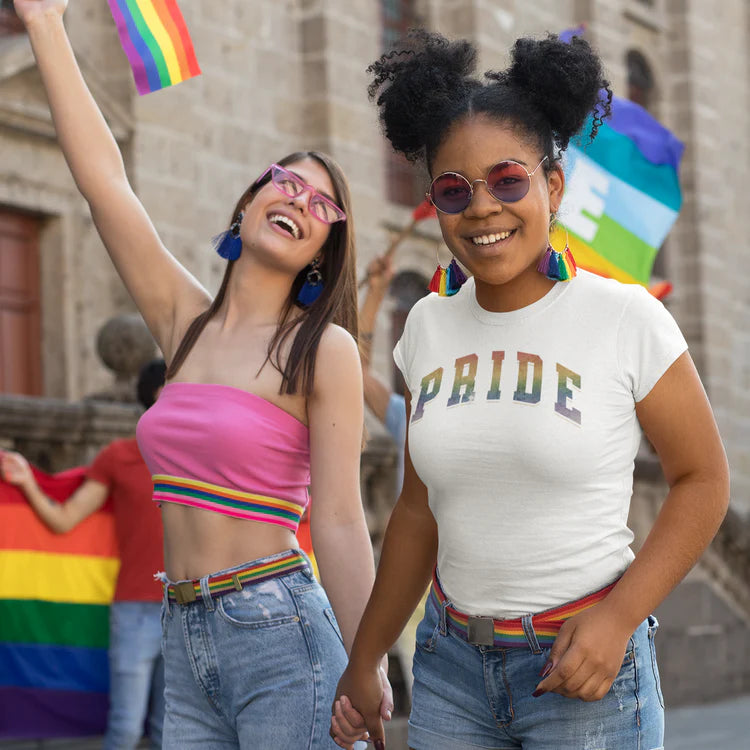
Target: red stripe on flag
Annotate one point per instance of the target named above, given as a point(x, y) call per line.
point(187, 42)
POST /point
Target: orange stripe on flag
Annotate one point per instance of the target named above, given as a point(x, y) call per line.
point(174, 34)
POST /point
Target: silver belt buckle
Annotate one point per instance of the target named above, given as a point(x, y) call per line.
point(481, 631)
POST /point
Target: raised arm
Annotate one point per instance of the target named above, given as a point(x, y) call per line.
point(58, 517)
point(379, 276)
point(165, 293)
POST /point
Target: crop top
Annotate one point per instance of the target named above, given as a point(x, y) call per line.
point(226, 450)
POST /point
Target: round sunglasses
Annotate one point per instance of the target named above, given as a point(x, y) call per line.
point(507, 181)
point(292, 185)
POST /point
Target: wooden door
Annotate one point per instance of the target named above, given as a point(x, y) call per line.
point(20, 333)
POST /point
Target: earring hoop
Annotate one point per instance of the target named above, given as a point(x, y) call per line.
point(446, 281)
point(557, 266)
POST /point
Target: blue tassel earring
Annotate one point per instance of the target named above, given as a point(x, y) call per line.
point(313, 285)
point(228, 244)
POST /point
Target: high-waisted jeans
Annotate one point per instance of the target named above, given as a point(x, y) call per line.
point(252, 669)
point(467, 697)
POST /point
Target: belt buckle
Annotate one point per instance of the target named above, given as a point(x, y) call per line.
point(481, 631)
point(184, 593)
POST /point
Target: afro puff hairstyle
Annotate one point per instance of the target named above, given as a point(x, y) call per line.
point(427, 83)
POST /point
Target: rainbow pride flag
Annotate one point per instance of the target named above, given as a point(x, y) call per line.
point(622, 192)
point(156, 41)
point(55, 591)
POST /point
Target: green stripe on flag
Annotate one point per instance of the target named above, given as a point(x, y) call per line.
point(619, 155)
point(150, 41)
point(624, 249)
point(54, 623)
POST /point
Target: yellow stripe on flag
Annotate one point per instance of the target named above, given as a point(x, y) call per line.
point(588, 259)
point(163, 39)
point(76, 579)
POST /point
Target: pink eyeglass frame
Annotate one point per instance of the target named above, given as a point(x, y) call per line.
point(313, 193)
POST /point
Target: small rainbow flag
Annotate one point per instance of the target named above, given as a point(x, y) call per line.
point(622, 192)
point(156, 41)
point(55, 591)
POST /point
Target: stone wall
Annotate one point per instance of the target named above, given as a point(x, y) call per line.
point(280, 75)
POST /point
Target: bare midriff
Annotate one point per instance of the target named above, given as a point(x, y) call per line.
point(198, 542)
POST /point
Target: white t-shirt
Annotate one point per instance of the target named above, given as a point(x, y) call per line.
point(523, 429)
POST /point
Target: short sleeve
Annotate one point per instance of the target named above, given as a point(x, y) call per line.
point(101, 470)
point(649, 341)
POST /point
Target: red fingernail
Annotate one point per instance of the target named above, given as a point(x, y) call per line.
point(546, 669)
point(537, 693)
point(379, 745)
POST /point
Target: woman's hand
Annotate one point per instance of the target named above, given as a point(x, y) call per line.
point(15, 469)
point(370, 691)
point(587, 655)
point(30, 10)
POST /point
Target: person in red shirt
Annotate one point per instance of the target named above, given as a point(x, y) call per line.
point(136, 664)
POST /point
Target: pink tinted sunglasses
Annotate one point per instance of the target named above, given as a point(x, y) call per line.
point(291, 185)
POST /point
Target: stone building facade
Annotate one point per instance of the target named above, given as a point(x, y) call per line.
point(280, 75)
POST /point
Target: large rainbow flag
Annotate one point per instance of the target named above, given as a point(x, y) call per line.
point(55, 591)
point(156, 41)
point(622, 194)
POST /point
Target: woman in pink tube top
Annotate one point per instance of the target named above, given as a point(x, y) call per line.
point(263, 400)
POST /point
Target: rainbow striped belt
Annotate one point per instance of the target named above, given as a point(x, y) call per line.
point(486, 631)
point(228, 502)
point(185, 592)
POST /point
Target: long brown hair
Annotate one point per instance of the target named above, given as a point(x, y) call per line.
point(337, 302)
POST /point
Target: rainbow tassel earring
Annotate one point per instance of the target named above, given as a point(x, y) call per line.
point(558, 266)
point(447, 281)
point(228, 244)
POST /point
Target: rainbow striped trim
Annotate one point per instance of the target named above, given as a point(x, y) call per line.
point(509, 633)
point(247, 505)
point(185, 592)
point(156, 41)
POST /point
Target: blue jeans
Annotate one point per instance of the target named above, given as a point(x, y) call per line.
point(255, 668)
point(136, 675)
point(467, 697)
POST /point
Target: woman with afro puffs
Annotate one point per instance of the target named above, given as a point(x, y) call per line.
point(527, 392)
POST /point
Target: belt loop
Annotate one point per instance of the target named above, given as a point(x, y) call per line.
point(161, 576)
point(165, 598)
point(443, 606)
point(527, 623)
point(206, 594)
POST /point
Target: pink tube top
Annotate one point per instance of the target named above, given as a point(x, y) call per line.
point(226, 450)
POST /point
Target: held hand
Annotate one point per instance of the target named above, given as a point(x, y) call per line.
point(366, 690)
point(15, 469)
point(30, 10)
point(586, 657)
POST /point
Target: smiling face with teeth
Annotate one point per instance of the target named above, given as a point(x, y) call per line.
point(280, 230)
point(500, 243)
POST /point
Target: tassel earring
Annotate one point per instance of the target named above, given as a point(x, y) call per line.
point(447, 281)
point(228, 244)
point(558, 266)
point(313, 285)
